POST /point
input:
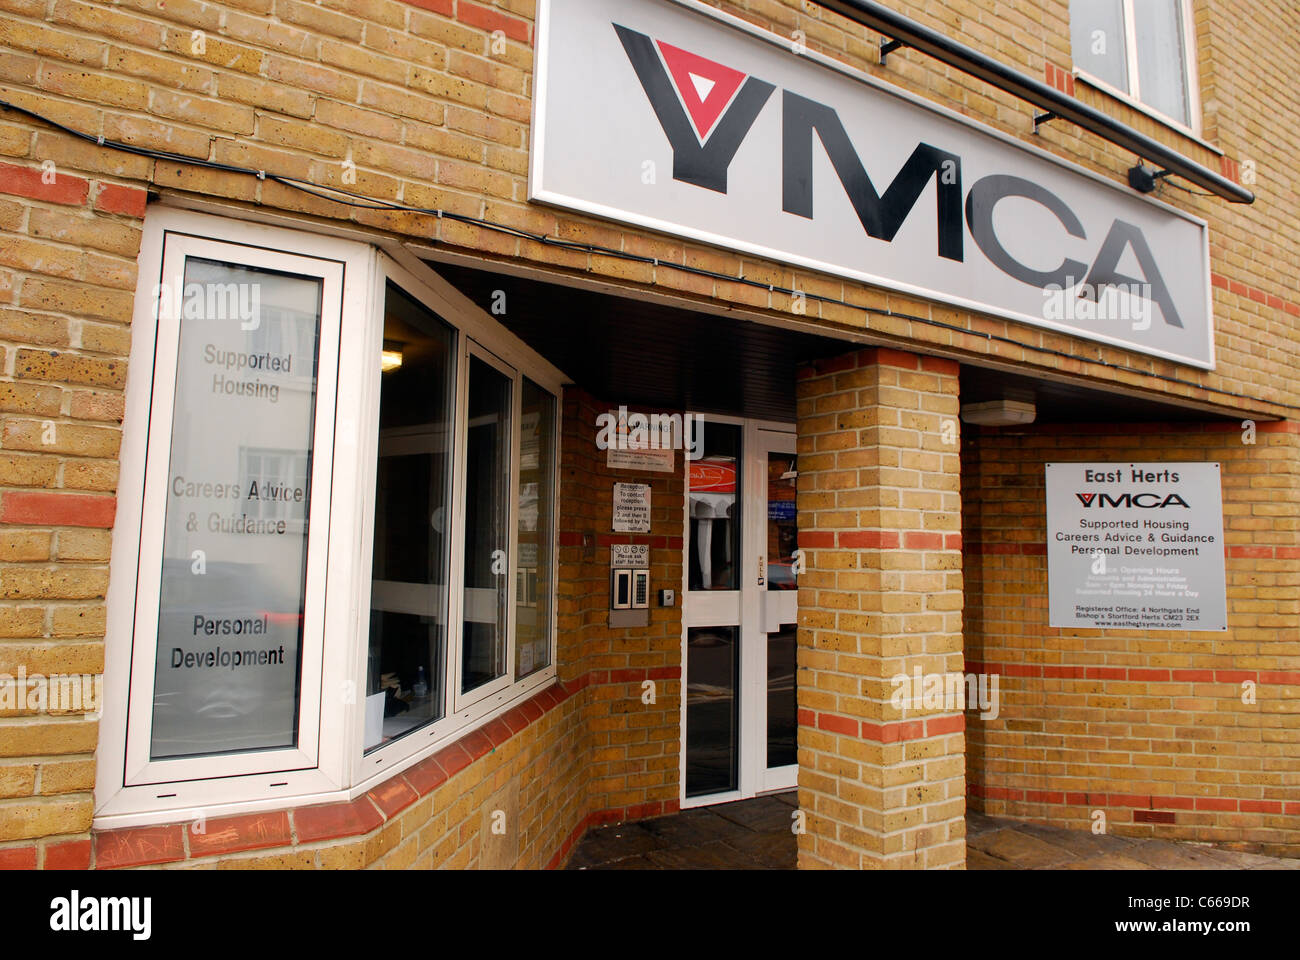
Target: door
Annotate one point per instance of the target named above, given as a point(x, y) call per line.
point(739, 612)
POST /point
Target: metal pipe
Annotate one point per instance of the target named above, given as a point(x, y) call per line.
point(909, 33)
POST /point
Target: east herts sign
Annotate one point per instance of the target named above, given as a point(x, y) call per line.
point(672, 116)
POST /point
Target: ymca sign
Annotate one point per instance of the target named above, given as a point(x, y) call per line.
point(672, 116)
point(1135, 546)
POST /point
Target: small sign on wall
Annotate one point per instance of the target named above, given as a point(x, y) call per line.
point(1136, 546)
point(631, 508)
point(629, 555)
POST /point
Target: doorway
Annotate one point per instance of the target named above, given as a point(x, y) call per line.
point(739, 612)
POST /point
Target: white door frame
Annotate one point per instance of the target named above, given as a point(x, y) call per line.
point(748, 608)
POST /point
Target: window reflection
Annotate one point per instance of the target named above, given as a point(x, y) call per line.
point(782, 532)
point(408, 594)
point(712, 672)
point(715, 510)
point(533, 591)
point(487, 513)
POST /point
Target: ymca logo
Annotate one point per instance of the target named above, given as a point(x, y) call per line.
point(1147, 501)
point(707, 109)
point(689, 98)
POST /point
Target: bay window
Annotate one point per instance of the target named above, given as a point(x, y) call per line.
point(335, 544)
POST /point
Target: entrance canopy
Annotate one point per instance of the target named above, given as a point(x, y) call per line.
point(641, 352)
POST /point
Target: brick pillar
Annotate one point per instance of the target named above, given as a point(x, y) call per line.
point(879, 524)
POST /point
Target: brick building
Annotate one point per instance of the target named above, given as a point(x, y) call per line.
point(444, 240)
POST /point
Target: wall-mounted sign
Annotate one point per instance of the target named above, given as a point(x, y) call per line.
point(631, 508)
point(629, 555)
point(639, 441)
point(1135, 546)
point(673, 116)
point(644, 461)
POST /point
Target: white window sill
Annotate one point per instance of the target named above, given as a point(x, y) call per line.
point(1177, 127)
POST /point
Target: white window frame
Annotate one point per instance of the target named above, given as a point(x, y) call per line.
point(140, 769)
point(330, 763)
point(1132, 96)
point(465, 699)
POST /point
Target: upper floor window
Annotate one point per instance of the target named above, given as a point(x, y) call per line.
point(1142, 49)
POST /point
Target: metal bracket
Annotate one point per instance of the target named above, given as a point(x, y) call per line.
point(887, 47)
point(1044, 118)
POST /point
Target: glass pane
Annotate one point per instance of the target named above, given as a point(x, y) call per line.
point(534, 589)
point(781, 706)
point(408, 587)
point(1161, 67)
point(714, 510)
point(712, 669)
point(782, 532)
point(487, 517)
point(235, 531)
point(1097, 40)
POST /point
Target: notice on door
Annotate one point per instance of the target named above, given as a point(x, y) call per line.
point(1135, 546)
point(631, 508)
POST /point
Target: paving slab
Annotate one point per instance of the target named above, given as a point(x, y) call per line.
point(717, 855)
point(979, 860)
point(1107, 861)
point(1084, 843)
point(1164, 855)
point(756, 835)
point(1025, 851)
point(763, 813)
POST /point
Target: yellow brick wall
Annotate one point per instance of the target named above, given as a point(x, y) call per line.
point(879, 521)
point(1201, 727)
point(602, 753)
point(634, 730)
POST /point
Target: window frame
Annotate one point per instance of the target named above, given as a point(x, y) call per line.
point(461, 713)
point(463, 699)
point(343, 484)
point(1132, 96)
point(140, 769)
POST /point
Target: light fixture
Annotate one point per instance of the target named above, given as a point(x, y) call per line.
point(998, 413)
point(390, 357)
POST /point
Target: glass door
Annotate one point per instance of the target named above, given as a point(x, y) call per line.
point(738, 612)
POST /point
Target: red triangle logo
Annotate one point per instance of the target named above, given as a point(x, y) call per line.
point(1085, 498)
point(704, 86)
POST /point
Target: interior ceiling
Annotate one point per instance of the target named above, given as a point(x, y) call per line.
point(630, 351)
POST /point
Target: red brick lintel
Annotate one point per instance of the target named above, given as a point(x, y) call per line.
point(1137, 802)
point(35, 183)
point(1148, 674)
point(897, 731)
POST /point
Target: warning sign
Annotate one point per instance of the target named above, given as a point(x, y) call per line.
point(1135, 546)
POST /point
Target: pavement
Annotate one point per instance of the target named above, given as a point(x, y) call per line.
point(756, 835)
